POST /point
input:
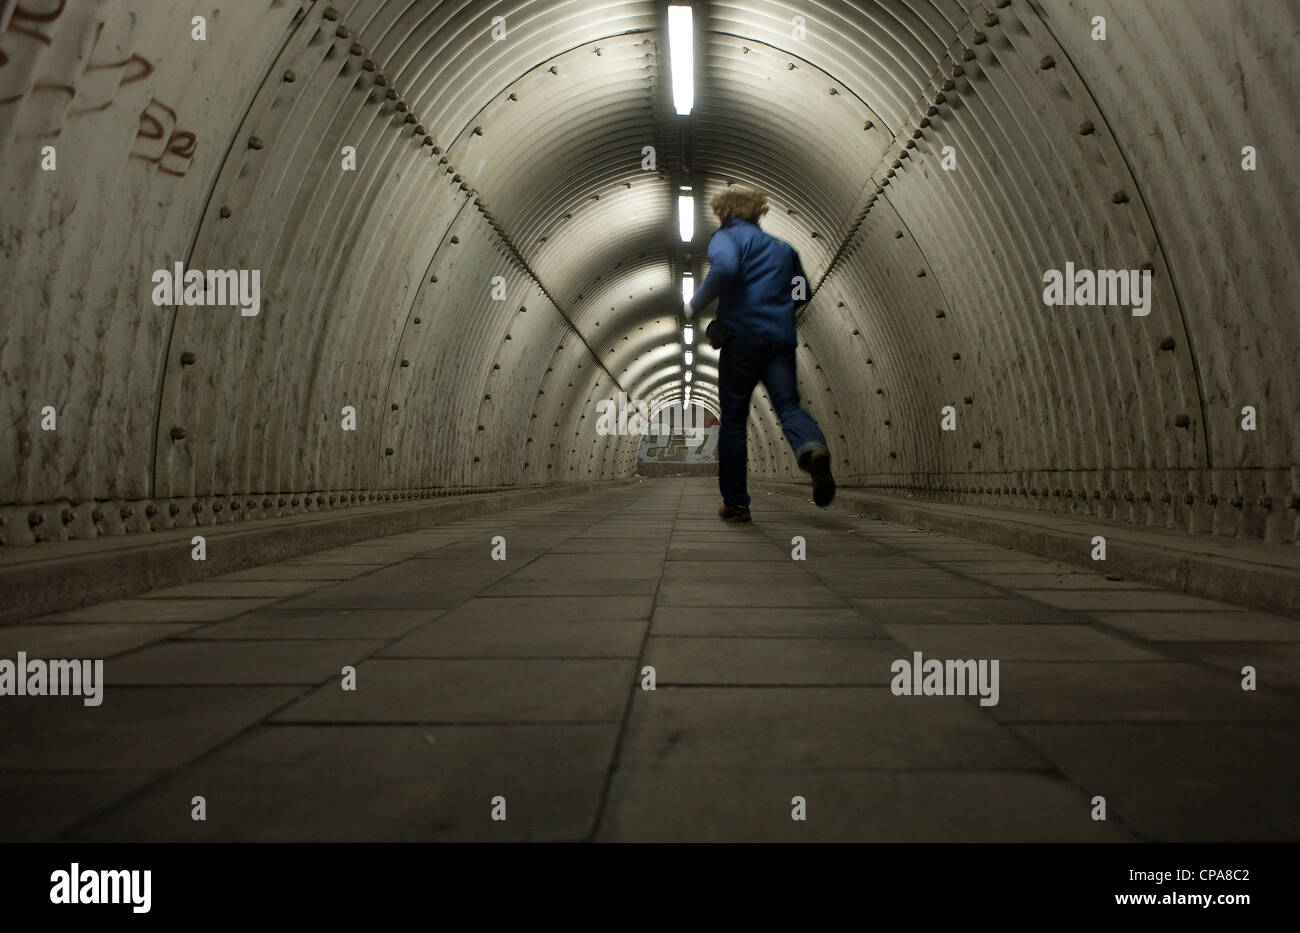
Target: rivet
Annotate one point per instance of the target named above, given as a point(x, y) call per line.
point(975, 446)
point(224, 212)
point(391, 93)
point(1167, 343)
point(455, 239)
point(405, 363)
point(1128, 495)
point(789, 66)
point(330, 13)
point(1182, 421)
point(217, 507)
point(177, 433)
point(513, 97)
point(196, 507)
point(889, 174)
point(940, 313)
point(1047, 62)
point(381, 81)
point(868, 125)
point(254, 143)
point(553, 70)
point(1119, 197)
point(428, 140)
point(173, 509)
point(833, 91)
point(1146, 496)
point(1166, 497)
point(967, 54)
point(991, 19)
point(421, 131)
point(1237, 502)
point(939, 99)
point(388, 451)
point(957, 71)
point(68, 515)
point(898, 234)
point(288, 77)
point(1212, 499)
point(969, 400)
point(400, 107)
point(394, 406)
point(931, 111)
point(356, 49)
point(478, 131)
point(979, 38)
point(910, 144)
point(343, 32)
point(956, 356)
point(920, 274)
point(1265, 502)
point(1086, 128)
point(150, 511)
point(896, 164)
point(187, 358)
point(416, 321)
point(948, 85)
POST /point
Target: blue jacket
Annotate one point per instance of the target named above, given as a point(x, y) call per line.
point(752, 275)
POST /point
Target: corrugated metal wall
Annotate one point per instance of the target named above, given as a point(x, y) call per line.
point(522, 157)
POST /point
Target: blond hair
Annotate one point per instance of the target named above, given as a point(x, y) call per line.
point(745, 203)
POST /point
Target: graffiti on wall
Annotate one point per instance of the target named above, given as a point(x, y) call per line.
point(159, 140)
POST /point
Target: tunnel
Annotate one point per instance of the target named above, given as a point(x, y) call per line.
point(311, 312)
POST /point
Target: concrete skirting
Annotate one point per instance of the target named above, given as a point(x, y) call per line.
point(56, 577)
point(1251, 574)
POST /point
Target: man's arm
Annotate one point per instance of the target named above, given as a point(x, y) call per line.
point(724, 266)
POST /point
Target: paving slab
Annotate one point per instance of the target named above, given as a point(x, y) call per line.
point(1184, 782)
point(135, 729)
point(463, 636)
point(1195, 625)
point(317, 624)
point(379, 784)
point(768, 661)
point(36, 806)
point(849, 806)
point(791, 728)
point(762, 622)
point(237, 662)
point(155, 610)
point(1132, 691)
point(473, 691)
point(1018, 642)
point(83, 640)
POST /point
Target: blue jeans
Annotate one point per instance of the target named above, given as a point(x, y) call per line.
point(743, 362)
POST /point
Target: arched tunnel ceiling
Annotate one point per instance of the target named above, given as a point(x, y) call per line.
point(501, 256)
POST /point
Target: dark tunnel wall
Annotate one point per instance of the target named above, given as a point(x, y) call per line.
point(522, 157)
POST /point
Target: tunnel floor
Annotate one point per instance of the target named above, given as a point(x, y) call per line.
point(488, 688)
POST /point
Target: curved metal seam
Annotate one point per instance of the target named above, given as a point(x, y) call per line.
point(300, 18)
point(1160, 243)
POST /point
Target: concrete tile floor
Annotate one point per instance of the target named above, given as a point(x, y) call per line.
point(522, 680)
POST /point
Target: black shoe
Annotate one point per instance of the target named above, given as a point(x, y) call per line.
point(733, 513)
point(819, 465)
